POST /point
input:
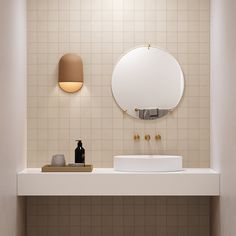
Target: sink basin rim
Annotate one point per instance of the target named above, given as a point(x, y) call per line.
point(147, 156)
point(148, 163)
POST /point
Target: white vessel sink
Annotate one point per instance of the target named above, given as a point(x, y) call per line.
point(147, 163)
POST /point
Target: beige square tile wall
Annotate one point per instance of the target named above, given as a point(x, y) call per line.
point(100, 31)
point(118, 216)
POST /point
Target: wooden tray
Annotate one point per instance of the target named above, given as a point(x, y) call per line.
point(49, 168)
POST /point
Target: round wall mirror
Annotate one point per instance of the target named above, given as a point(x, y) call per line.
point(147, 83)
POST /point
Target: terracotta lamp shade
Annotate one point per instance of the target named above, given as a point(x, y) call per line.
point(70, 76)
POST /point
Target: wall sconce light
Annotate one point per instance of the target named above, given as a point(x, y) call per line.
point(70, 74)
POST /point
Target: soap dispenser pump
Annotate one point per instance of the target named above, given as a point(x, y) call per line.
point(80, 154)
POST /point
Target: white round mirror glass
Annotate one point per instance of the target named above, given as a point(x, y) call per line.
point(147, 79)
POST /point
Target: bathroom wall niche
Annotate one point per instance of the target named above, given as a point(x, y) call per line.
point(147, 83)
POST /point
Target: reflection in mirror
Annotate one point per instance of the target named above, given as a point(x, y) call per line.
point(147, 83)
point(151, 114)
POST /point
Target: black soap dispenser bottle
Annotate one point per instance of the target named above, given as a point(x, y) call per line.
point(79, 154)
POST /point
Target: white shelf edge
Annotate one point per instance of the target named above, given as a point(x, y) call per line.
point(190, 182)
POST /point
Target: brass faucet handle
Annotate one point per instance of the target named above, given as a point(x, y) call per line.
point(147, 137)
point(136, 137)
point(158, 137)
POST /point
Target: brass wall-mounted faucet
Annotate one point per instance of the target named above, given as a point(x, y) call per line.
point(147, 137)
point(136, 137)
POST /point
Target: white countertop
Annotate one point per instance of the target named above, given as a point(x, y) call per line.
point(106, 181)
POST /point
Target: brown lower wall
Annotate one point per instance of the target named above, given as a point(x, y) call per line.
point(215, 216)
point(118, 216)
